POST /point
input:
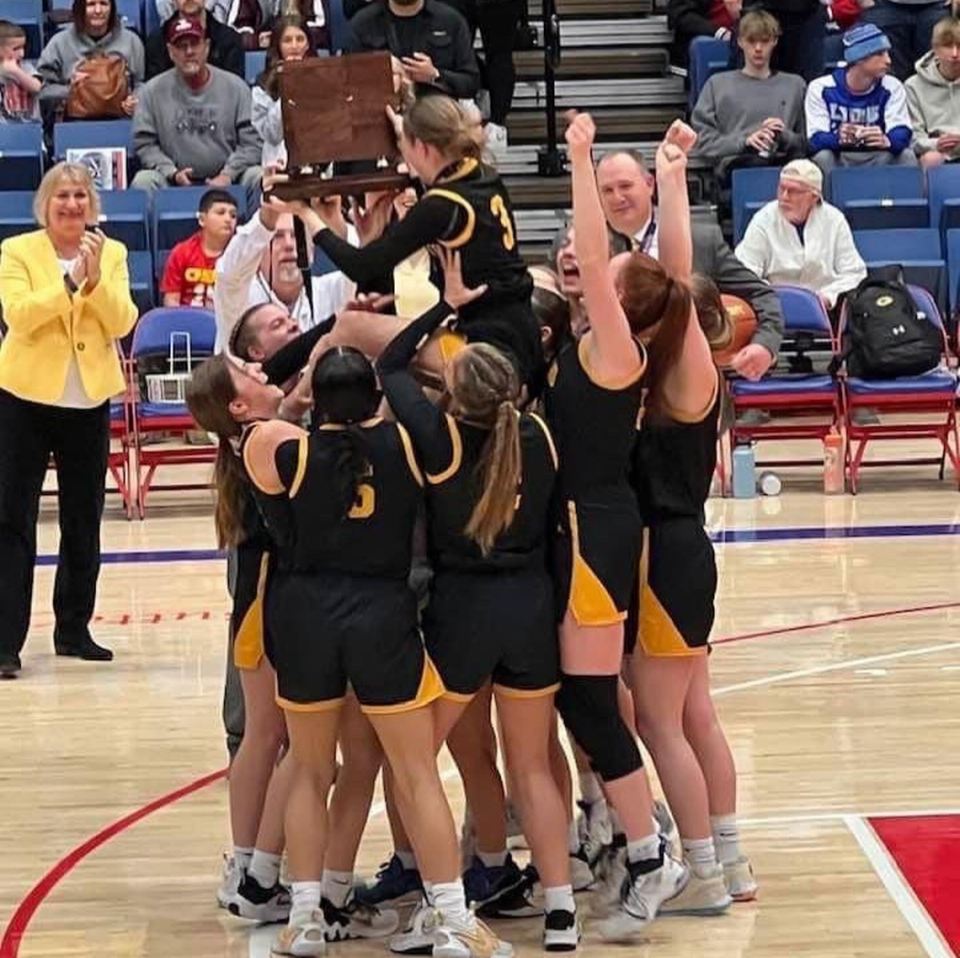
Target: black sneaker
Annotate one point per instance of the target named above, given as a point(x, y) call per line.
point(357, 920)
point(81, 648)
point(514, 903)
point(257, 903)
point(561, 931)
point(9, 665)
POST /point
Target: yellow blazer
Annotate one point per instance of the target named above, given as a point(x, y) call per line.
point(46, 326)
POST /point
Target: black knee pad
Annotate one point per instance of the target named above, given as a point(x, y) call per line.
point(589, 708)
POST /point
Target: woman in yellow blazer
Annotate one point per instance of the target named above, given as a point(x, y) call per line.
point(65, 295)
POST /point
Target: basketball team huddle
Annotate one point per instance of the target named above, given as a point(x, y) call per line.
point(479, 505)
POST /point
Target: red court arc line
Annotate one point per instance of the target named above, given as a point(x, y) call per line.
point(10, 944)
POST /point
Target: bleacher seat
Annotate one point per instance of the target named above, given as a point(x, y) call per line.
point(175, 213)
point(151, 19)
point(29, 15)
point(125, 216)
point(21, 156)
point(339, 26)
point(882, 197)
point(707, 56)
point(16, 212)
point(131, 14)
point(254, 63)
point(140, 265)
point(92, 134)
point(943, 184)
point(918, 251)
point(832, 50)
point(750, 190)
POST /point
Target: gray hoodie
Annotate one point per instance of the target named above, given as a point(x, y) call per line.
point(61, 56)
point(934, 104)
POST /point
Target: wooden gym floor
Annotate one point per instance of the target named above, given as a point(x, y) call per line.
point(837, 661)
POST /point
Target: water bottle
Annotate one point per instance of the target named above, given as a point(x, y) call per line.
point(744, 472)
point(833, 464)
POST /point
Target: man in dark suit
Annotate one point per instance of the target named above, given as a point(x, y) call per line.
point(626, 192)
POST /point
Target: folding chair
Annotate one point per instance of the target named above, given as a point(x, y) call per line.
point(925, 406)
point(184, 333)
point(21, 156)
point(121, 438)
point(882, 197)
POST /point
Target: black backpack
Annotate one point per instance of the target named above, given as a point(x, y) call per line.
point(886, 336)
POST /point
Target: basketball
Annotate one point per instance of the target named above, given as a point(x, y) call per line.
point(742, 325)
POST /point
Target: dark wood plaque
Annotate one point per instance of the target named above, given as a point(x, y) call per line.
point(334, 109)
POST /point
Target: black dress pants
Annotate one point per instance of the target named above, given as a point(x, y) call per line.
point(79, 440)
point(498, 21)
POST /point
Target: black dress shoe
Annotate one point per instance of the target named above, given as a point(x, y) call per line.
point(9, 665)
point(86, 648)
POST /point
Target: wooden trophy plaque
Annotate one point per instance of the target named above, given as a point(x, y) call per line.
point(334, 109)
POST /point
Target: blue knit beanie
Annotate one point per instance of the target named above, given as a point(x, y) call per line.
point(862, 41)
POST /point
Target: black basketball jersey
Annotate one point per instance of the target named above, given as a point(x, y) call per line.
point(485, 234)
point(266, 517)
point(375, 537)
point(594, 427)
point(674, 462)
point(453, 494)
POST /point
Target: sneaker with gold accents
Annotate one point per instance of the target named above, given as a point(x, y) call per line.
point(478, 941)
point(305, 939)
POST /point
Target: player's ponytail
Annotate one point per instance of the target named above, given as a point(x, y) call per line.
point(440, 121)
point(351, 466)
point(208, 395)
point(485, 387)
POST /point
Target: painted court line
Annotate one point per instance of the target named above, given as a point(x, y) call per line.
point(901, 893)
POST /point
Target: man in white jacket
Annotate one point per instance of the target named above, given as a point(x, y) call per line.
point(799, 240)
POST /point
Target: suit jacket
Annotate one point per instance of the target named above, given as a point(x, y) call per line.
point(46, 326)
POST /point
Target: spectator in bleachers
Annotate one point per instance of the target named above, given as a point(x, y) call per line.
point(96, 30)
point(701, 18)
point(315, 14)
point(193, 122)
point(226, 46)
point(803, 25)
point(289, 41)
point(19, 84)
point(499, 21)
point(843, 14)
point(932, 97)
point(753, 116)
point(466, 8)
point(191, 270)
point(626, 192)
point(909, 24)
point(800, 240)
point(65, 295)
point(250, 18)
point(857, 115)
point(431, 41)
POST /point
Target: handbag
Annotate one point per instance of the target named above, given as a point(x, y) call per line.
point(101, 94)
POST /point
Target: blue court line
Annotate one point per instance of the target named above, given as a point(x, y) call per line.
point(721, 537)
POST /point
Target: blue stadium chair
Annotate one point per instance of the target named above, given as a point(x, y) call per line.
point(29, 15)
point(953, 269)
point(125, 216)
point(255, 62)
point(175, 213)
point(943, 184)
point(924, 406)
point(755, 187)
point(92, 134)
point(339, 26)
point(918, 251)
point(140, 265)
point(16, 212)
point(151, 19)
point(880, 197)
point(131, 14)
point(832, 50)
point(707, 56)
point(160, 258)
point(21, 155)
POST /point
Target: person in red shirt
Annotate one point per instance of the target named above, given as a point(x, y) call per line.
point(191, 269)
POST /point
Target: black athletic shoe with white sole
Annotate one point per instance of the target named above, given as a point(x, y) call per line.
point(561, 931)
point(257, 903)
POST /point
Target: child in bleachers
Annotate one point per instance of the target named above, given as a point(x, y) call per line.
point(19, 85)
point(190, 273)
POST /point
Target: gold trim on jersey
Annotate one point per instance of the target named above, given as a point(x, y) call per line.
point(339, 426)
point(693, 419)
point(510, 693)
point(268, 489)
point(462, 697)
point(411, 456)
point(464, 168)
point(589, 600)
point(303, 454)
point(248, 642)
point(456, 457)
point(612, 384)
point(463, 237)
point(328, 705)
point(431, 688)
point(450, 344)
point(548, 436)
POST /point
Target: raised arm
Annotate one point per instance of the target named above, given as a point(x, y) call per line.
point(673, 222)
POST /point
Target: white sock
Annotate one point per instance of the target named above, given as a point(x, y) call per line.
point(493, 859)
point(644, 849)
point(407, 859)
point(242, 856)
point(559, 899)
point(304, 901)
point(726, 837)
point(336, 886)
point(265, 868)
point(573, 838)
point(449, 899)
point(590, 790)
point(701, 854)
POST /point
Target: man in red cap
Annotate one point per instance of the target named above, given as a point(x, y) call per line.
point(226, 46)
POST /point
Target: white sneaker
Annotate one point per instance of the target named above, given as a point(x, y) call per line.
point(418, 936)
point(497, 140)
point(594, 827)
point(641, 899)
point(665, 823)
point(739, 878)
point(704, 894)
point(561, 931)
point(356, 920)
point(230, 882)
point(304, 940)
point(581, 874)
point(452, 941)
